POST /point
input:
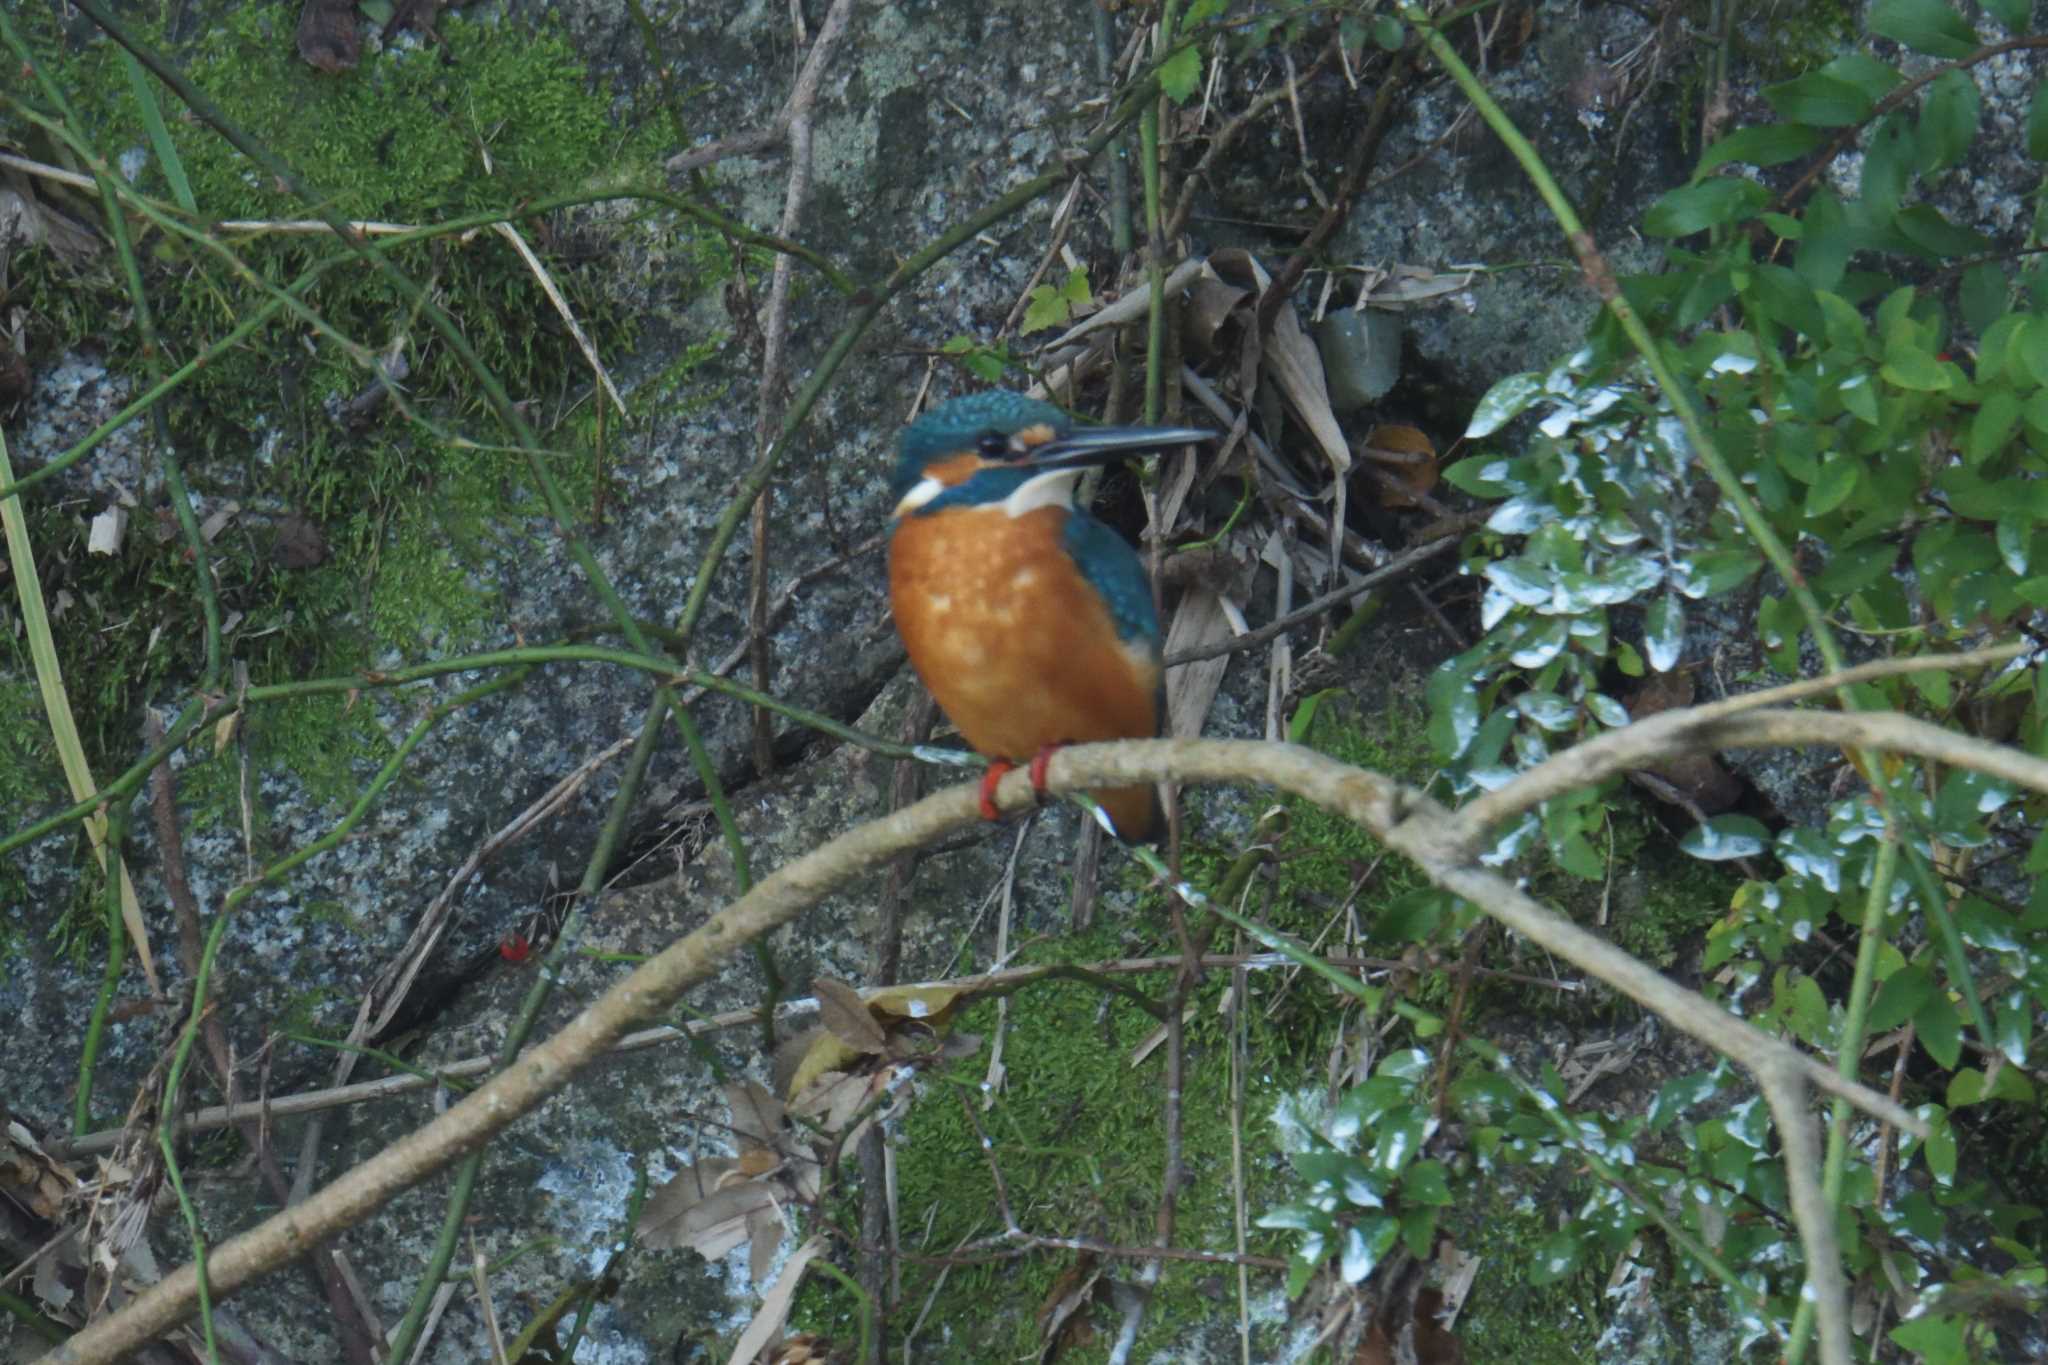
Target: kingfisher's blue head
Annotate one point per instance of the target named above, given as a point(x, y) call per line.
point(990, 447)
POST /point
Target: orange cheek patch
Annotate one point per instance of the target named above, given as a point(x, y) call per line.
point(1032, 437)
point(955, 470)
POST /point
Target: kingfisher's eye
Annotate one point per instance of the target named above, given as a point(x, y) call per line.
point(994, 445)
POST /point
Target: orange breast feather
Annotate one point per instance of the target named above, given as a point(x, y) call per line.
point(1018, 648)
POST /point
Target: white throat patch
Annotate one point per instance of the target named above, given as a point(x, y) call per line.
point(922, 492)
point(1054, 488)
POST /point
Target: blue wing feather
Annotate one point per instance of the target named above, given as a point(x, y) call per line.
point(1112, 568)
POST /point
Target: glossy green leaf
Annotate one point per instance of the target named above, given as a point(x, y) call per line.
point(1809, 1013)
point(1873, 77)
point(2013, 1026)
point(1994, 422)
point(1503, 403)
point(1664, 633)
point(1825, 244)
point(1846, 327)
point(2037, 124)
point(1939, 1026)
point(1180, 75)
point(1768, 144)
point(1557, 1256)
point(2013, 14)
point(1924, 226)
point(1453, 711)
point(1838, 479)
point(1859, 396)
point(2035, 412)
point(2030, 348)
point(1971, 1086)
point(1711, 203)
point(1680, 1094)
point(1888, 165)
point(1427, 1182)
point(2015, 537)
point(1935, 1338)
point(1788, 299)
point(1940, 1147)
point(1364, 1243)
point(1821, 100)
point(1726, 837)
point(1909, 367)
point(1981, 924)
point(1929, 26)
point(1412, 917)
point(1900, 997)
point(1948, 120)
point(1854, 567)
point(1984, 295)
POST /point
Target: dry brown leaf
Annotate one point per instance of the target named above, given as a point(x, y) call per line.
point(661, 1218)
point(774, 1312)
point(1191, 689)
point(931, 1005)
point(1061, 1323)
point(842, 1011)
point(822, 1055)
point(1405, 286)
point(1209, 306)
point(1700, 779)
point(50, 1287)
point(1131, 305)
point(1408, 455)
point(757, 1116)
point(1294, 362)
point(719, 1223)
point(834, 1098)
point(30, 1178)
point(764, 1239)
point(327, 36)
point(1396, 1335)
point(29, 219)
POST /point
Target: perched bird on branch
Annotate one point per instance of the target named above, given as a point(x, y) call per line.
point(1031, 622)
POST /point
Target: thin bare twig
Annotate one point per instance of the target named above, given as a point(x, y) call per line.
point(1336, 597)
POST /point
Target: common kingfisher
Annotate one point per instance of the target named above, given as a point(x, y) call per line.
point(1030, 621)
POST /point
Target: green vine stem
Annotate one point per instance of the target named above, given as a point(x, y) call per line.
point(197, 714)
point(1155, 241)
point(558, 956)
point(1849, 1056)
point(110, 980)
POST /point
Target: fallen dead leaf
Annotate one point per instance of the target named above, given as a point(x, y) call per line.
point(1409, 456)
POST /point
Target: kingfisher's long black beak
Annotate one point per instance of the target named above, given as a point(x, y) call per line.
point(1106, 445)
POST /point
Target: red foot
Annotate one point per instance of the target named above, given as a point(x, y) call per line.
point(1038, 765)
point(996, 769)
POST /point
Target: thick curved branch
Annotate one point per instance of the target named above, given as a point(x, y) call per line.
point(1406, 820)
point(1647, 742)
